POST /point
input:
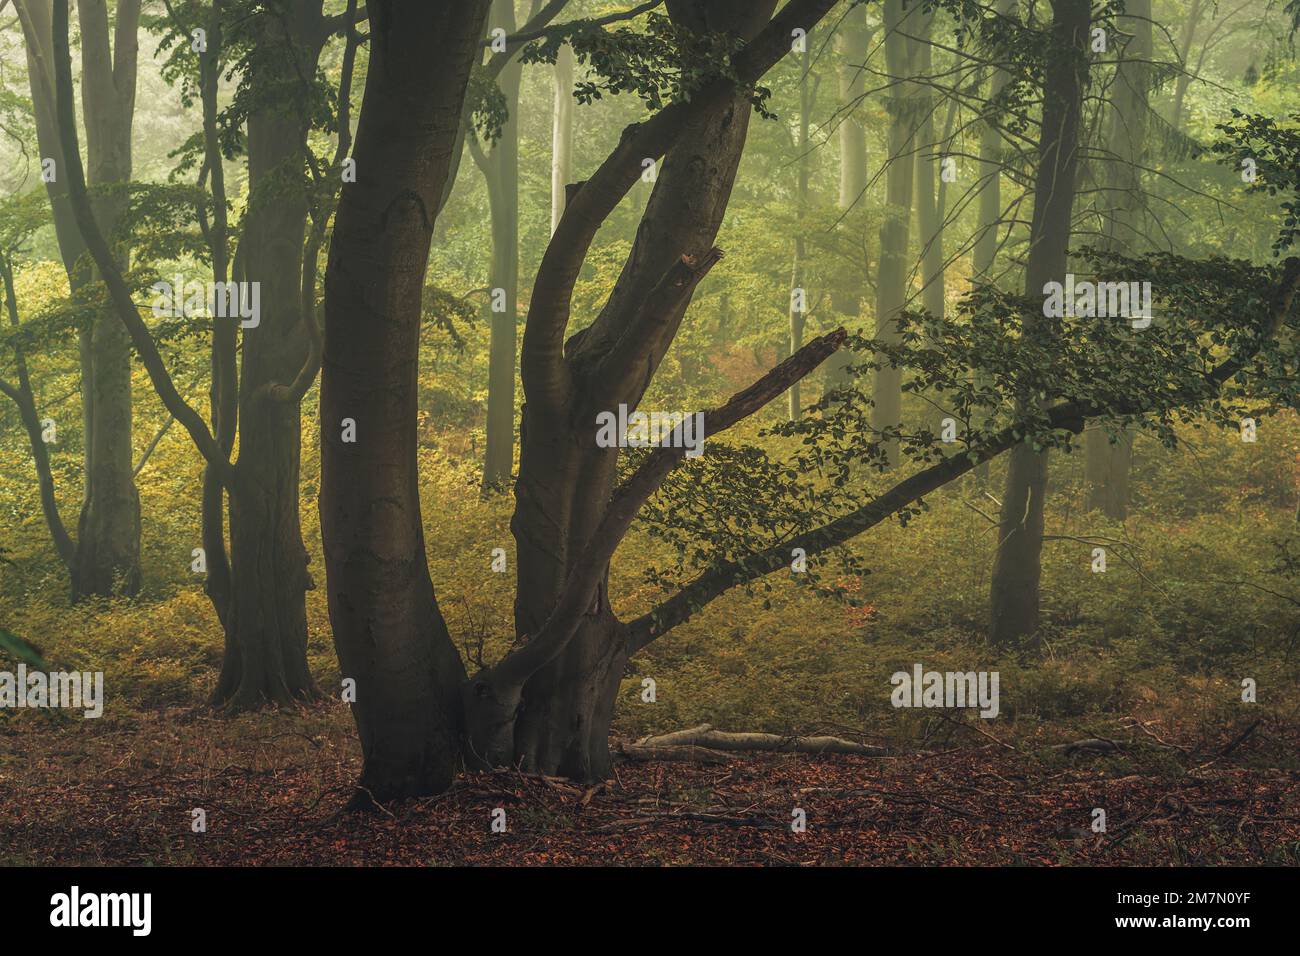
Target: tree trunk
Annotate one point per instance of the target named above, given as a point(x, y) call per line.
point(985, 250)
point(852, 42)
point(799, 314)
point(562, 132)
point(389, 633)
point(557, 720)
point(108, 530)
point(266, 618)
point(930, 194)
point(107, 556)
point(1017, 568)
point(1185, 41)
point(1108, 462)
point(892, 277)
point(502, 172)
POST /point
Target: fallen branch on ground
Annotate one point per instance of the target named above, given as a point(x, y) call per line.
point(705, 736)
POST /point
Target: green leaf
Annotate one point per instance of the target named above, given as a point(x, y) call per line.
point(14, 645)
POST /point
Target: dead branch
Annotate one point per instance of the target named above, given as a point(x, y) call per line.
point(705, 736)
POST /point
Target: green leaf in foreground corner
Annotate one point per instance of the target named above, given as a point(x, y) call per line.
point(12, 644)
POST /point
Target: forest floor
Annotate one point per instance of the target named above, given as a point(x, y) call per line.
point(271, 787)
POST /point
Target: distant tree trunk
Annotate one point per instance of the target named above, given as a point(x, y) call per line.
point(902, 22)
point(1017, 568)
point(107, 553)
point(1108, 463)
point(389, 633)
point(108, 531)
point(1191, 21)
point(930, 194)
point(562, 132)
point(852, 41)
point(799, 314)
point(929, 189)
point(501, 169)
point(985, 250)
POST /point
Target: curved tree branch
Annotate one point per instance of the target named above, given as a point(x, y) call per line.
point(1070, 416)
point(545, 377)
point(108, 268)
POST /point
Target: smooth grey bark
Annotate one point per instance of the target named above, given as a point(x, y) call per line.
point(1017, 567)
point(548, 703)
point(798, 316)
point(852, 43)
point(1108, 462)
point(902, 22)
point(929, 193)
point(562, 132)
point(106, 558)
point(500, 167)
point(985, 249)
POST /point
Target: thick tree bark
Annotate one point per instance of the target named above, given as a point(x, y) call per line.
point(389, 633)
point(1108, 462)
point(1014, 588)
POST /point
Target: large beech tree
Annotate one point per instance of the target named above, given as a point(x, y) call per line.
point(547, 704)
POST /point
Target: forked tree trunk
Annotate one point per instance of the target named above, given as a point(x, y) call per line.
point(564, 710)
point(389, 633)
point(106, 557)
point(1017, 568)
point(265, 621)
point(108, 530)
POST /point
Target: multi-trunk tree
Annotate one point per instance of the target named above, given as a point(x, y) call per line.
point(547, 704)
point(257, 584)
point(103, 556)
